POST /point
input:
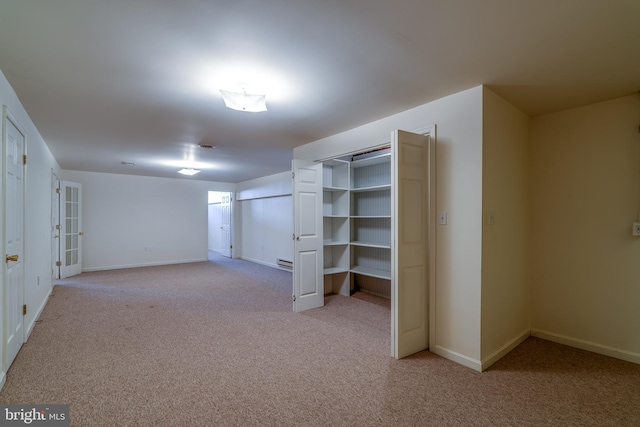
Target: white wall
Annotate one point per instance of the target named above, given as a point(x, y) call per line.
point(124, 214)
point(266, 227)
point(265, 214)
point(37, 224)
point(586, 194)
point(278, 184)
point(459, 192)
point(505, 243)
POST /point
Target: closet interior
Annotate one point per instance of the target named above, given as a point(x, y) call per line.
point(357, 223)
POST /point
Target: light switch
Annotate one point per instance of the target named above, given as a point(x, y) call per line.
point(442, 218)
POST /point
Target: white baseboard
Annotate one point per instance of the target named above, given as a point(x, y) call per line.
point(463, 360)
point(257, 261)
point(501, 352)
point(587, 345)
point(478, 365)
point(147, 264)
point(28, 329)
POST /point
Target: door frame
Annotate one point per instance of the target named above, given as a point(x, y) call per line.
point(216, 234)
point(224, 251)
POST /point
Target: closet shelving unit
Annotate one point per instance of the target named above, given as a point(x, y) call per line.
point(357, 225)
point(335, 210)
point(335, 224)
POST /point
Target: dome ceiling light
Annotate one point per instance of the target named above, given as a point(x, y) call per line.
point(243, 101)
point(188, 171)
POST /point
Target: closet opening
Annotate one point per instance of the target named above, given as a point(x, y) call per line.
point(364, 225)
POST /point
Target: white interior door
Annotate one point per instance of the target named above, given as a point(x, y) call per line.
point(71, 229)
point(13, 152)
point(225, 227)
point(410, 296)
point(308, 277)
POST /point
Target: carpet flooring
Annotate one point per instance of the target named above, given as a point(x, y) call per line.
point(217, 344)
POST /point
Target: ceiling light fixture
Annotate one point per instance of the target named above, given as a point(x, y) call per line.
point(243, 101)
point(188, 171)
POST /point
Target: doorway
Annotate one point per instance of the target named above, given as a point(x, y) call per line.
point(220, 224)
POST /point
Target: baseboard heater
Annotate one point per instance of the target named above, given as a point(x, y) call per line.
point(286, 264)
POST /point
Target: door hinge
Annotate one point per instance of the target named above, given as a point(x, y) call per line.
point(24, 159)
point(24, 310)
point(230, 246)
point(293, 175)
point(293, 297)
point(58, 190)
point(58, 227)
point(58, 263)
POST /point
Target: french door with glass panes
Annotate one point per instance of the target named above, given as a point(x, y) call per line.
point(70, 229)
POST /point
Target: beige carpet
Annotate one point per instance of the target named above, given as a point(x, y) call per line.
point(216, 344)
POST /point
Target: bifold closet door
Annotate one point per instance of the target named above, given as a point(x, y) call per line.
point(410, 218)
point(308, 274)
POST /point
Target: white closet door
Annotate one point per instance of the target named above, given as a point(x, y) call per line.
point(410, 217)
point(225, 228)
point(308, 281)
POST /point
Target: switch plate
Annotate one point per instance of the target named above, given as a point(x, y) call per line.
point(442, 218)
point(636, 229)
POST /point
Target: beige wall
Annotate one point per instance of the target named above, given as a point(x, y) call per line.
point(506, 242)
point(585, 175)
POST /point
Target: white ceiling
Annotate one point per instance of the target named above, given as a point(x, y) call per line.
point(134, 80)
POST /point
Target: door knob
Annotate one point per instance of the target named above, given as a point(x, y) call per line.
point(11, 258)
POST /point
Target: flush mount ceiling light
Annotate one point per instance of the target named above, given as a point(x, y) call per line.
point(243, 101)
point(188, 171)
